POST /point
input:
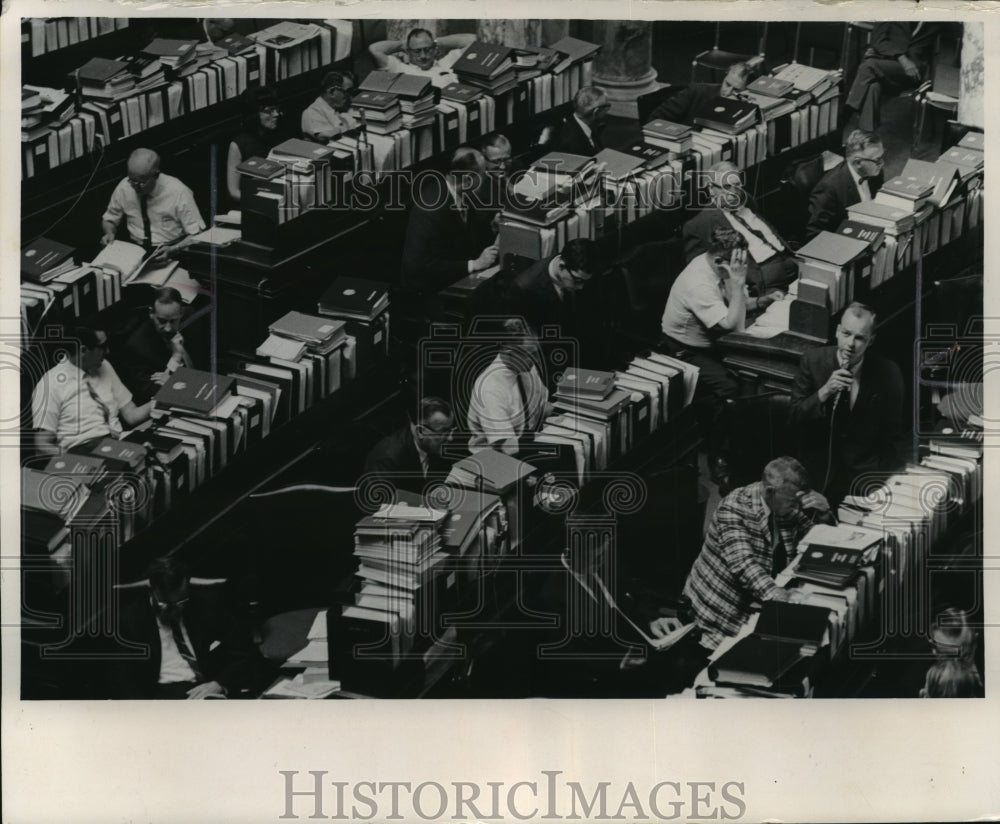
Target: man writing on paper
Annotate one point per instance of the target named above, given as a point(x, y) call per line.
point(857, 179)
point(421, 55)
point(155, 350)
point(412, 454)
point(81, 398)
point(772, 264)
point(753, 536)
point(509, 398)
point(709, 299)
point(848, 403)
point(159, 210)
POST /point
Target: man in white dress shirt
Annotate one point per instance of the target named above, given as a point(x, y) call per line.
point(420, 54)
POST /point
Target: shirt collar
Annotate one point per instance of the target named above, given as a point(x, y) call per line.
point(552, 277)
point(854, 174)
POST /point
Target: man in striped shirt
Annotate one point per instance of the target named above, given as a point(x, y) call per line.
point(752, 537)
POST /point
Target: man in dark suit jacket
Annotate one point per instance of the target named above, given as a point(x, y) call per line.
point(411, 456)
point(858, 178)
point(772, 264)
point(447, 237)
point(856, 393)
point(682, 106)
point(197, 649)
point(897, 59)
point(155, 349)
point(580, 132)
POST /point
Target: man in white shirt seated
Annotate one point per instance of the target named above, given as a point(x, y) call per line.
point(159, 210)
point(708, 299)
point(82, 399)
point(418, 53)
point(771, 262)
point(509, 399)
point(858, 178)
point(327, 116)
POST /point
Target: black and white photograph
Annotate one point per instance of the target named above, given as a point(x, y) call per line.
point(574, 377)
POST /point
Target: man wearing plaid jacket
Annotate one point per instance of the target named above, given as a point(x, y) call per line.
point(752, 537)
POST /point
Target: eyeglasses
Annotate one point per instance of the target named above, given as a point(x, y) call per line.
point(139, 182)
point(270, 110)
point(499, 163)
point(878, 161)
point(424, 50)
point(430, 430)
point(167, 604)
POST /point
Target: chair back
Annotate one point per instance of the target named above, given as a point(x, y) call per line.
point(764, 430)
point(646, 275)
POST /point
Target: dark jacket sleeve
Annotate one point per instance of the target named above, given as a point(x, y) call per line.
point(676, 108)
point(429, 260)
point(890, 39)
point(825, 209)
point(806, 405)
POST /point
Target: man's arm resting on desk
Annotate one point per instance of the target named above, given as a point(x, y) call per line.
point(133, 415)
point(46, 443)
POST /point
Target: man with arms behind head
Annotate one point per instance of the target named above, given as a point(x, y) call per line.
point(848, 403)
point(155, 350)
point(420, 54)
point(159, 210)
point(753, 536)
point(858, 178)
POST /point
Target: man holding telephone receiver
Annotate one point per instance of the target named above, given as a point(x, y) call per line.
point(848, 403)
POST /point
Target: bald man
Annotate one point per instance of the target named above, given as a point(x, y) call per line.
point(159, 210)
point(580, 133)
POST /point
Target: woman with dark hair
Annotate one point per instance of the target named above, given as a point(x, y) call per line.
point(262, 131)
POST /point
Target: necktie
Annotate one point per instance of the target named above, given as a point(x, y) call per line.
point(756, 233)
point(780, 554)
point(97, 399)
point(147, 234)
point(182, 647)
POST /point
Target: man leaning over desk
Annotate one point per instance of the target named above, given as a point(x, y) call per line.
point(159, 210)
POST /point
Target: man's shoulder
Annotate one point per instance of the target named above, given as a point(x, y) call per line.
point(174, 185)
point(704, 219)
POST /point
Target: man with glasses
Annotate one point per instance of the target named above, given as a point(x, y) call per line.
point(858, 178)
point(197, 648)
point(81, 399)
point(771, 262)
point(159, 210)
point(411, 455)
point(155, 350)
point(327, 116)
point(418, 54)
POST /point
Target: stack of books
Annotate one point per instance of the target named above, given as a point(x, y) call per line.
point(833, 555)
point(533, 61)
point(945, 177)
point(461, 93)
point(908, 191)
point(312, 349)
point(379, 111)
point(967, 158)
point(175, 55)
point(806, 80)
point(828, 266)
point(769, 95)
point(308, 180)
point(489, 66)
point(415, 93)
point(43, 109)
point(43, 260)
point(289, 48)
point(675, 137)
point(651, 155)
point(494, 472)
point(363, 306)
point(894, 220)
point(105, 79)
point(727, 115)
point(584, 395)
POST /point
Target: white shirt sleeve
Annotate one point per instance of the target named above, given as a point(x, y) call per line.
point(705, 302)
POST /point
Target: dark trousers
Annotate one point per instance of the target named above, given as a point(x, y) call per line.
point(715, 385)
point(875, 75)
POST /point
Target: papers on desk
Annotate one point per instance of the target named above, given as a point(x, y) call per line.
point(772, 321)
point(219, 235)
point(234, 217)
point(317, 632)
point(299, 687)
point(182, 281)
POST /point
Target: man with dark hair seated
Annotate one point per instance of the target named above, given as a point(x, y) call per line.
point(155, 350)
point(858, 178)
point(197, 648)
point(682, 106)
point(411, 455)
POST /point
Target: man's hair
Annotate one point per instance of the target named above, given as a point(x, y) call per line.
point(430, 406)
point(337, 79)
point(582, 255)
point(167, 294)
point(785, 471)
point(494, 140)
point(589, 97)
point(860, 310)
point(723, 240)
point(87, 335)
point(168, 574)
point(467, 159)
point(414, 33)
point(741, 70)
point(951, 634)
point(952, 679)
point(859, 141)
point(144, 157)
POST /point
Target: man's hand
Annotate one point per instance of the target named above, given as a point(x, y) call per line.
point(663, 626)
point(487, 259)
point(163, 254)
point(159, 378)
point(815, 501)
point(737, 268)
point(790, 596)
point(210, 689)
point(771, 297)
point(909, 67)
point(839, 380)
point(107, 238)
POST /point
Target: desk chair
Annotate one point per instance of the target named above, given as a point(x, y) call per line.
point(824, 37)
point(761, 431)
point(718, 60)
point(857, 35)
point(940, 92)
point(645, 275)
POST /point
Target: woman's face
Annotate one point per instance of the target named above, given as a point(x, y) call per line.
point(269, 116)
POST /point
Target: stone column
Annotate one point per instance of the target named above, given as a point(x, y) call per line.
point(510, 32)
point(970, 97)
point(623, 66)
